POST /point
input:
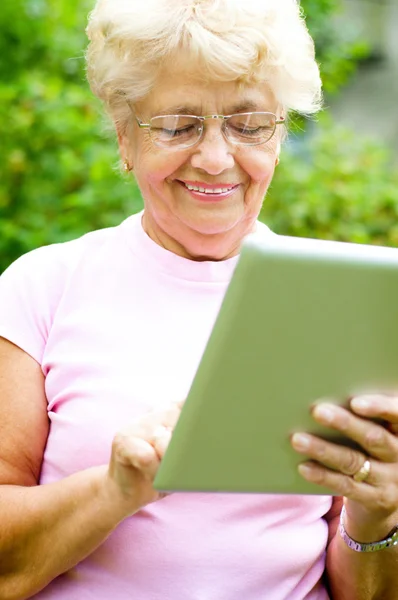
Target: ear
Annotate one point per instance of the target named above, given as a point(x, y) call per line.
point(277, 153)
point(124, 149)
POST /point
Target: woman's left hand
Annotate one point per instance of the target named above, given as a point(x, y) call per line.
point(334, 466)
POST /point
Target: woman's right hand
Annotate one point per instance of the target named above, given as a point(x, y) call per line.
point(136, 455)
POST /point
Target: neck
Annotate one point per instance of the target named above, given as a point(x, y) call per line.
point(201, 247)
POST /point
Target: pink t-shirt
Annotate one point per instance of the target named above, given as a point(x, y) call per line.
point(118, 325)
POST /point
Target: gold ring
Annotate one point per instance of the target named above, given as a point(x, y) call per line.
point(363, 472)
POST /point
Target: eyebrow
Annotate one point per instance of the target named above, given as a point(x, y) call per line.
point(178, 110)
point(243, 106)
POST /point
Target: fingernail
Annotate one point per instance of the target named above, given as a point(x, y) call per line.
point(301, 441)
point(305, 470)
point(361, 403)
point(325, 413)
point(159, 433)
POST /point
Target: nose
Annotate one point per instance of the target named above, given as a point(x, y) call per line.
point(213, 153)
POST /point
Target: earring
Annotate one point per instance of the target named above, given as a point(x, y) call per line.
point(277, 161)
point(126, 166)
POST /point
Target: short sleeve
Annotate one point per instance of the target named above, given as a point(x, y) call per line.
point(30, 290)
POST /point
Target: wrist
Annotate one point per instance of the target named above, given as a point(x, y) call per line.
point(108, 492)
point(388, 541)
point(365, 526)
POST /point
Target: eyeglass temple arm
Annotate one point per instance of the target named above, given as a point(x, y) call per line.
point(141, 124)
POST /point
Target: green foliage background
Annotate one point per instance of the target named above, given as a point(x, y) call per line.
point(59, 173)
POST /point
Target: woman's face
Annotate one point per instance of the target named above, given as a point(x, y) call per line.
point(194, 225)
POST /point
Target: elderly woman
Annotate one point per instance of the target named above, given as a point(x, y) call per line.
point(101, 338)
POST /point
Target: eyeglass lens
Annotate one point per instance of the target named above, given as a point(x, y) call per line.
point(182, 131)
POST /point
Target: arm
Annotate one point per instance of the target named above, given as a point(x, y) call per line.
point(360, 576)
point(33, 517)
point(46, 530)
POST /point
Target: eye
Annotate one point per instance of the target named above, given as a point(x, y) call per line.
point(180, 132)
point(245, 129)
point(178, 129)
point(249, 128)
point(257, 126)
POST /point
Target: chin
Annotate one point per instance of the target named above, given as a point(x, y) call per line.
point(213, 223)
point(208, 230)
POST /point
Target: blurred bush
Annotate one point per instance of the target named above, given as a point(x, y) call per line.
point(338, 50)
point(58, 169)
point(339, 186)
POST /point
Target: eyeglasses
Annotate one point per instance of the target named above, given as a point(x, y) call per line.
point(183, 131)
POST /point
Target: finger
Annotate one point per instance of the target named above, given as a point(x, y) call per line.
point(336, 457)
point(170, 416)
point(373, 438)
point(333, 456)
point(377, 406)
point(167, 417)
point(161, 440)
point(146, 425)
point(179, 403)
point(378, 500)
point(340, 484)
point(136, 452)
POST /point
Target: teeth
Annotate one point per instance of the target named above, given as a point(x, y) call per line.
point(193, 188)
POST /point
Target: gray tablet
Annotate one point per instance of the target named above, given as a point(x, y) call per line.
point(301, 320)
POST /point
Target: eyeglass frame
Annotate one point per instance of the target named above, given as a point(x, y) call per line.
point(281, 121)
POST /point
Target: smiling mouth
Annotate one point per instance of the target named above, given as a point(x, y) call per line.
point(211, 190)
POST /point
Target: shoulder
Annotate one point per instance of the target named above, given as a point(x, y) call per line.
point(32, 288)
point(56, 261)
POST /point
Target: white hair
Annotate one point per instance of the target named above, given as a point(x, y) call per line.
point(250, 41)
